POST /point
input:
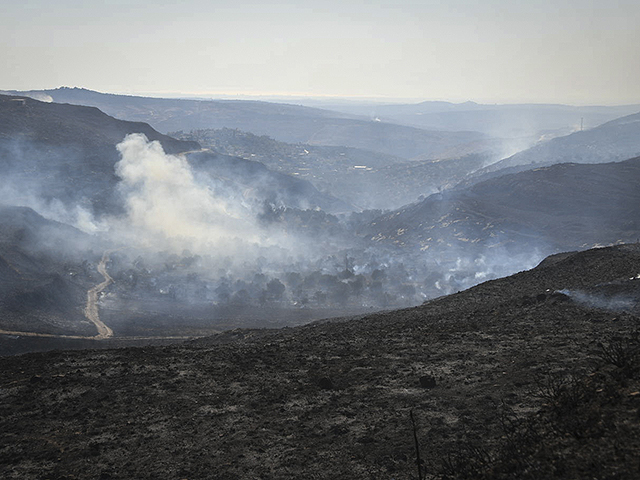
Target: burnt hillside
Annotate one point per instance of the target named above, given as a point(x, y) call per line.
point(510, 379)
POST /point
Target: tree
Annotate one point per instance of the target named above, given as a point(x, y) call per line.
point(275, 290)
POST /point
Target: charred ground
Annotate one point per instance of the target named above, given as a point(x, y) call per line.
point(509, 379)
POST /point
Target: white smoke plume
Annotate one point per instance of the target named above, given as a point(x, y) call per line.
point(168, 207)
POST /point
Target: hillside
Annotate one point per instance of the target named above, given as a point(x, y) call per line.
point(65, 153)
point(613, 141)
point(258, 183)
point(368, 179)
point(45, 271)
point(73, 151)
point(283, 122)
point(555, 208)
point(510, 379)
point(62, 125)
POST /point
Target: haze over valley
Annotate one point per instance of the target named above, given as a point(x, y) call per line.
point(256, 214)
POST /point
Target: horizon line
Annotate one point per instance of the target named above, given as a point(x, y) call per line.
point(322, 97)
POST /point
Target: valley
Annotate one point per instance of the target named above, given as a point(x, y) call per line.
point(277, 291)
point(225, 228)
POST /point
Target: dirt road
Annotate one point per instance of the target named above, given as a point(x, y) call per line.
point(91, 310)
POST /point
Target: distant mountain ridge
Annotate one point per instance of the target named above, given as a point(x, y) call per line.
point(506, 120)
point(284, 122)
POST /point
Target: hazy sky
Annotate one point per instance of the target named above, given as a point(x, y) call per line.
point(569, 51)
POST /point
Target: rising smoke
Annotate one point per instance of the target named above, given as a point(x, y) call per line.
point(167, 207)
point(188, 236)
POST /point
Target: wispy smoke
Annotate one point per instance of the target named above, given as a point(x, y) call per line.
point(471, 268)
point(615, 302)
point(171, 207)
point(18, 193)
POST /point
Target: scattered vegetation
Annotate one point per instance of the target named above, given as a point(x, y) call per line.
point(588, 426)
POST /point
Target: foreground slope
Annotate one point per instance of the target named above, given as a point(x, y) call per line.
point(509, 379)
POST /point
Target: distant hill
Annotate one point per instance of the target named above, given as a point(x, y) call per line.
point(524, 120)
point(283, 122)
point(67, 153)
point(613, 141)
point(368, 179)
point(562, 207)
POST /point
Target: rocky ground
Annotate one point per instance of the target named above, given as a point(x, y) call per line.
point(510, 379)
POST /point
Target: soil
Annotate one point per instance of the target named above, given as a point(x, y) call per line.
point(509, 379)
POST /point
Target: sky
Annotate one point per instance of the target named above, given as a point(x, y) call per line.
point(490, 51)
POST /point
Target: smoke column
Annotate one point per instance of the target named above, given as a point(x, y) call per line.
point(168, 207)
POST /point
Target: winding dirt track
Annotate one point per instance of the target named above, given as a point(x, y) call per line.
point(91, 310)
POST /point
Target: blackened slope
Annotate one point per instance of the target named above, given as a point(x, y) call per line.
point(330, 400)
point(564, 207)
